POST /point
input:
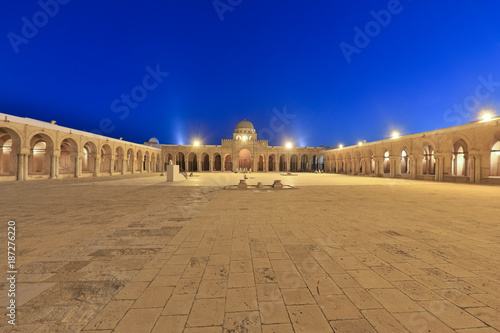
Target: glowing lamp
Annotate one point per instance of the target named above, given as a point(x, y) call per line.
point(196, 143)
point(395, 135)
point(245, 138)
point(360, 143)
point(288, 145)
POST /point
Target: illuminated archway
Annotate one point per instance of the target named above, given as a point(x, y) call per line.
point(228, 164)
point(495, 160)
point(460, 158)
point(294, 163)
point(245, 159)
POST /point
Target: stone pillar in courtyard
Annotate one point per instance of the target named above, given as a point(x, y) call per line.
point(97, 166)
point(413, 166)
point(124, 166)
point(78, 165)
point(20, 166)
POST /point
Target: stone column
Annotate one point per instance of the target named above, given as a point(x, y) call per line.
point(53, 162)
point(124, 166)
point(97, 166)
point(111, 166)
point(20, 166)
point(413, 167)
point(355, 166)
point(210, 164)
point(78, 166)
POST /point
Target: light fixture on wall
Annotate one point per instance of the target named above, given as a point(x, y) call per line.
point(288, 145)
point(395, 135)
point(196, 143)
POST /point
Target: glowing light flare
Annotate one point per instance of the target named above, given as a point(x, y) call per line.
point(288, 145)
point(196, 143)
point(395, 135)
point(360, 143)
point(245, 138)
point(341, 146)
point(487, 116)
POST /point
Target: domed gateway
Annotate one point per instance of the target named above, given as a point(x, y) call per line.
point(245, 131)
point(243, 152)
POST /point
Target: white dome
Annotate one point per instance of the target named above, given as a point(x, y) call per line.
point(154, 140)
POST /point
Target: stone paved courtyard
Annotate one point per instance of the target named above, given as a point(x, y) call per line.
point(337, 254)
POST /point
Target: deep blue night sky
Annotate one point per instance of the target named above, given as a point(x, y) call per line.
point(263, 56)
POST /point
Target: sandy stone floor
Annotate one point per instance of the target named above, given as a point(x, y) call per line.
point(337, 254)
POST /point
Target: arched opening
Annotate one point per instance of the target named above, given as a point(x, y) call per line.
point(359, 162)
point(334, 164)
point(205, 162)
point(106, 159)
point(387, 162)
point(405, 162)
point(39, 161)
point(217, 162)
point(314, 163)
point(89, 155)
point(10, 146)
point(261, 163)
point(168, 158)
point(146, 161)
point(495, 160)
point(130, 159)
point(294, 163)
point(303, 163)
point(460, 158)
point(228, 164)
point(180, 161)
point(272, 163)
point(348, 165)
point(321, 163)
point(138, 161)
point(283, 164)
point(245, 161)
point(119, 156)
point(68, 156)
point(152, 164)
point(371, 162)
point(193, 162)
point(428, 162)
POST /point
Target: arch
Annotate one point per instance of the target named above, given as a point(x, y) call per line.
point(405, 162)
point(321, 163)
point(272, 162)
point(495, 160)
point(106, 155)
point(370, 162)
point(10, 146)
point(314, 163)
point(303, 163)
point(294, 163)
point(205, 162)
point(387, 162)
point(217, 162)
point(139, 157)
point(245, 159)
point(460, 157)
point(146, 163)
point(262, 163)
point(341, 163)
point(119, 157)
point(41, 149)
point(153, 162)
point(68, 156)
point(333, 163)
point(428, 161)
point(130, 159)
point(357, 158)
point(228, 163)
point(192, 162)
point(283, 164)
point(348, 161)
point(180, 160)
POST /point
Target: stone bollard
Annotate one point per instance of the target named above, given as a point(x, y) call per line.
point(277, 184)
point(242, 184)
point(259, 185)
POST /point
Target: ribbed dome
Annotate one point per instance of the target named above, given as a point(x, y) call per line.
point(245, 124)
